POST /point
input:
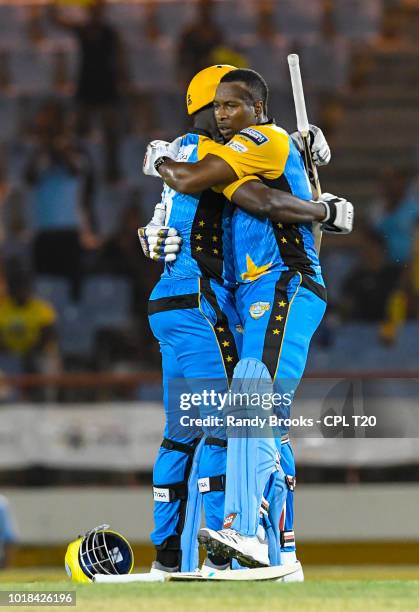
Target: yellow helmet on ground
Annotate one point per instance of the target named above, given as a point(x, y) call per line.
point(202, 88)
point(100, 551)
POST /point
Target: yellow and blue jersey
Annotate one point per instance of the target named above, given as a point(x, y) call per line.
point(267, 152)
point(203, 220)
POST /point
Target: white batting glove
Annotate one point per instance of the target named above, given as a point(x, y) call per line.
point(159, 242)
point(320, 150)
point(156, 149)
point(339, 217)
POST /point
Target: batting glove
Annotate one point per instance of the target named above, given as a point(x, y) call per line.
point(159, 242)
point(320, 150)
point(339, 217)
point(156, 149)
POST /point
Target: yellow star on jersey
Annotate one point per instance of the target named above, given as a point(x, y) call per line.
point(279, 318)
point(198, 248)
point(281, 303)
point(225, 343)
point(229, 358)
point(214, 239)
point(253, 271)
point(215, 251)
point(201, 223)
point(284, 240)
point(276, 332)
point(220, 329)
point(280, 225)
point(297, 240)
point(198, 237)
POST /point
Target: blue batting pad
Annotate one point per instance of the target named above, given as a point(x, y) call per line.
point(189, 538)
point(250, 459)
point(275, 494)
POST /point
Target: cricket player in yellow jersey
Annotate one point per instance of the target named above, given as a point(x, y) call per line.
point(281, 296)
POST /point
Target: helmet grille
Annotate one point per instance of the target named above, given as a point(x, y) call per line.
point(103, 552)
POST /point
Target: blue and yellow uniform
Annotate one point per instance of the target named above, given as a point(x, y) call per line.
point(192, 314)
point(281, 296)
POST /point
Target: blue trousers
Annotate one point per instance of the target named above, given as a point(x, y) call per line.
point(198, 329)
point(280, 313)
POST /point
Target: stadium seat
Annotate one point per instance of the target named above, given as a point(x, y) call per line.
point(235, 18)
point(336, 265)
point(131, 152)
point(174, 16)
point(9, 118)
point(54, 290)
point(10, 364)
point(298, 17)
point(31, 71)
point(106, 299)
point(109, 203)
point(358, 19)
point(11, 24)
point(157, 65)
point(76, 332)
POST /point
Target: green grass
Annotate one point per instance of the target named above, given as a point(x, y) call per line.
point(325, 590)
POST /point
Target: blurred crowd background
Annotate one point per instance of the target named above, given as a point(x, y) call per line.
point(84, 87)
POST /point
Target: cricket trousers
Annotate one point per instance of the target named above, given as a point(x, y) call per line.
point(280, 313)
point(199, 332)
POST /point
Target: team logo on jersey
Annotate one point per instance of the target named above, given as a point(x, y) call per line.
point(254, 135)
point(237, 146)
point(258, 309)
point(239, 329)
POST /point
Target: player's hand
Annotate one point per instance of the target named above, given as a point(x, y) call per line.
point(159, 242)
point(339, 217)
point(320, 150)
point(156, 149)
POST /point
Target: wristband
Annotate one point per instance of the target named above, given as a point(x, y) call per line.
point(159, 161)
point(327, 208)
point(331, 210)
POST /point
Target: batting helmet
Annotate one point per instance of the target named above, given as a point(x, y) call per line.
point(100, 551)
point(202, 88)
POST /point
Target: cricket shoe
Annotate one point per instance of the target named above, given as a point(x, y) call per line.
point(208, 567)
point(157, 569)
point(250, 551)
point(289, 559)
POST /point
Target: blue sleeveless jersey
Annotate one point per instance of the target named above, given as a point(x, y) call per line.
point(204, 221)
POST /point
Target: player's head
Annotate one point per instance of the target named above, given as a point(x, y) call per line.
point(201, 90)
point(241, 100)
point(100, 551)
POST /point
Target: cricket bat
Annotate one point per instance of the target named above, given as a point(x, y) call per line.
point(303, 128)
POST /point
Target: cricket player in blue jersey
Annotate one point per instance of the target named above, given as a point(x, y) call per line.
point(192, 314)
point(281, 295)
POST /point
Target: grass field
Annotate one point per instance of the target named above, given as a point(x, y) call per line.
point(326, 589)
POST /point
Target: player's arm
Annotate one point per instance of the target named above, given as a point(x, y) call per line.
point(220, 164)
point(279, 206)
point(193, 178)
point(335, 213)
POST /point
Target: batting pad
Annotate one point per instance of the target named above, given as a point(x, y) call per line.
point(250, 459)
point(189, 537)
